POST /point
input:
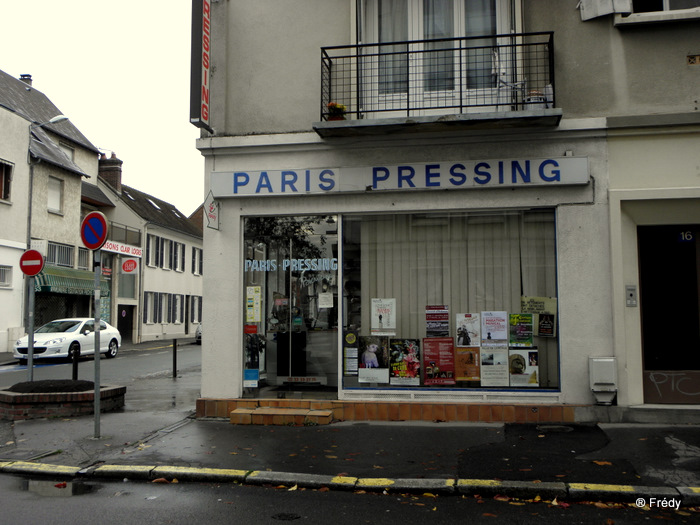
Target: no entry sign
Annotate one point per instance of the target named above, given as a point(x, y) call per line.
point(93, 230)
point(31, 263)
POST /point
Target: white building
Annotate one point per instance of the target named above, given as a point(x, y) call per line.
point(484, 167)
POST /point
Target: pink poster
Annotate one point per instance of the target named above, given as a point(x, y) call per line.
point(439, 360)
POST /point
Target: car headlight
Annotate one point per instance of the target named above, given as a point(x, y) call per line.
point(18, 342)
point(56, 341)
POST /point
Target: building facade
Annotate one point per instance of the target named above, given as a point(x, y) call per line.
point(449, 202)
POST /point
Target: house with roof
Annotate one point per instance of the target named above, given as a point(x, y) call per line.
point(43, 160)
point(156, 268)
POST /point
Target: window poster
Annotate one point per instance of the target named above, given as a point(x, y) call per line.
point(253, 304)
point(494, 365)
point(404, 364)
point(545, 314)
point(373, 365)
point(350, 354)
point(437, 320)
point(467, 363)
point(439, 360)
point(520, 333)
point(468, 329)
point(494, 326)
point(523, 367)
point(383, 317)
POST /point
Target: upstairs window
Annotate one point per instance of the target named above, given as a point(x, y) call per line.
point(5, 180)
point(649, 6)
point(55, 195)
point(60, 254)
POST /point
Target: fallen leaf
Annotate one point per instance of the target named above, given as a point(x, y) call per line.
point(291, 455)
point(376, 466)
point(324, 489)
point(331, 457)
point(519, 503)
point(61, 485)
point(293, 488)
point(160, 480)
point(602, 463)
point(429, 495)
point(490, 515)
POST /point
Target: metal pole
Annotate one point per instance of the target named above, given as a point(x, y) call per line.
point(30, 330)
point(174, 357)
point(97, 354)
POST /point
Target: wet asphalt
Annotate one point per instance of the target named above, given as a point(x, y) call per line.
point(157, 428)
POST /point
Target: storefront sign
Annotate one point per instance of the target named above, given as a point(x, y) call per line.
point(124, 249)
point(200, 64)
point(497, 173)
point(129, 266)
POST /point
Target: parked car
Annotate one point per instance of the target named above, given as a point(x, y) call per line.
point(64, 338)
point(198, 335)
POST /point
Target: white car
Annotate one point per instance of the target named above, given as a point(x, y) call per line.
point(64, 338)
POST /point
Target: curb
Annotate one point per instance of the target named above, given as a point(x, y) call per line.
point(689, 496)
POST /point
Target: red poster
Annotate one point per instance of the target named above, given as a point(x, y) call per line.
point(439, 360)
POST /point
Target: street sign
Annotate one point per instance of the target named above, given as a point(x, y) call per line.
point(31, 263)
point(93, 230)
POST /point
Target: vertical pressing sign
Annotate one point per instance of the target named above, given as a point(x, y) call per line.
point(200, 87)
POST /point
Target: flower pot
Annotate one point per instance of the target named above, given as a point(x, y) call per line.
point(336, 117)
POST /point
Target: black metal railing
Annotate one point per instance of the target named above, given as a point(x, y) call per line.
point(512, 72)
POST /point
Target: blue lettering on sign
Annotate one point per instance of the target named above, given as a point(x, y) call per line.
point(482, 177)
point(458, 178)
point(556, 174)
point(430, 174)
point(379, 174)
point(289, 178)
point(406, 174)
point(327, 183)
point(263, 182)
point(524, 174)
point(240, 178)
point(298, 265)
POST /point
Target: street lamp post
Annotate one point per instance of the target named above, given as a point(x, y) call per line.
point(29, 282)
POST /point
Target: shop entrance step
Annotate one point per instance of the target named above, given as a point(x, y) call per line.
point(281, 416)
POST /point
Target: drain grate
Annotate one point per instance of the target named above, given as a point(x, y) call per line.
point(286, 516)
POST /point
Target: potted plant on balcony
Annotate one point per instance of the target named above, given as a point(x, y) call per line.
point(336, 111)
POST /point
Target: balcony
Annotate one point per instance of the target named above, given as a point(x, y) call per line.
point(491, 82)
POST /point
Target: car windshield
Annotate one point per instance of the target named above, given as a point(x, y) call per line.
point(59, 326)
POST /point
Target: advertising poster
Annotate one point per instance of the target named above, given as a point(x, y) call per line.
point(437, 320)
point(523, 367)
point(404, 355)
point(544, 310)
point(350, 354)
point(494, 365)
point(520, 333)
point(494, 326)
point(373, 366)
point(439, 360)
point(467, 363)
point(468, 329)
point(253, 304)
point(383, 320)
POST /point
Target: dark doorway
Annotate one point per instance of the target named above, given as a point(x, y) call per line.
point(125, 322)
point(668, 260)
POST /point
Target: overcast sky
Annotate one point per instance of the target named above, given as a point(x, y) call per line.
point(119, 69)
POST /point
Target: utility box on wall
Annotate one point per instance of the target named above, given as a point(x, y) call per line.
point(602, 373)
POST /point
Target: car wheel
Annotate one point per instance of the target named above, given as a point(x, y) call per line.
point(113, 349)
point(74, 350)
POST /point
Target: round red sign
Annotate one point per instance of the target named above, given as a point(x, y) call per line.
point(129, 266)
point(31, 262)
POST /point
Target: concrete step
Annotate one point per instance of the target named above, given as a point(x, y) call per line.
point(281, 416)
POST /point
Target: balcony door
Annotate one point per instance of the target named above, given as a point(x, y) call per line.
point(416, 70)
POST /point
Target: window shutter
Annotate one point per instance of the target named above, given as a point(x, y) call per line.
point(145, 305)
point(201, 258)
point(159, 307)
point(182, 308)
point(148, 248)
point(194, 251)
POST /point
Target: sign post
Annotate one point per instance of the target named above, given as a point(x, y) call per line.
point(93, 232)
point(31, 263)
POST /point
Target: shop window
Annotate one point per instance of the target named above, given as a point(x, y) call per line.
point(450, 300)
point(291, 302)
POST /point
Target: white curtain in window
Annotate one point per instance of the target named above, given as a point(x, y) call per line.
point(480, 20)
point(393, 59)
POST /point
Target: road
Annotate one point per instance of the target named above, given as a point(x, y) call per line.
point(48, 501)
point(132, 362)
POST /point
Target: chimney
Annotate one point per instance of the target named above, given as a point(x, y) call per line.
point(110, 171)
point(26, 78)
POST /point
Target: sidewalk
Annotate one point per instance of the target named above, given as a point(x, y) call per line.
point(156, 436)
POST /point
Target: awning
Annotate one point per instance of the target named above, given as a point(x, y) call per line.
point(54, 279)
